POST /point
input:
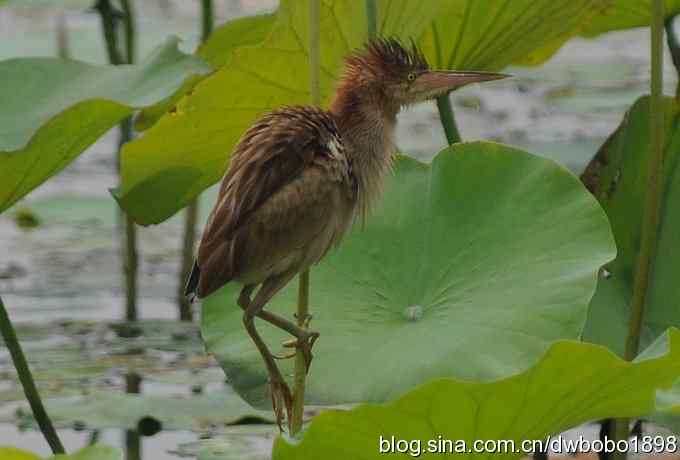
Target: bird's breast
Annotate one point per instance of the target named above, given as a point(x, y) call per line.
point(370, 155)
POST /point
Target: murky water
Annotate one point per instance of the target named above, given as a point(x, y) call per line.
point(61, 280)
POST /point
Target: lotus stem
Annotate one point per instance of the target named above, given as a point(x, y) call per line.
point(650, 220)
point(448, 119)
point(191, 213)
point(108, 18)
point(446, 115)
point(63, 49)
point(206, 19)
point(190, 220)
point(133, 439)
point(131, 259)
point(28, 384)
point(300, 370)
point(129, 27)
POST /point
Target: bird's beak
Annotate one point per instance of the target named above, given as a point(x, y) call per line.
point(441, 81)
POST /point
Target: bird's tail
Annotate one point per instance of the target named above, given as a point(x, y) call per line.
point(192, 282)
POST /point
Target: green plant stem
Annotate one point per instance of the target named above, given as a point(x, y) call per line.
point(131, 256)
point(133, 445)
point(129, 26)
point(372, 18)
point(207, 20)
point(28, 384)
point(300, 370)
point(540, 455)
point(133, 440)
point(674, 47)
point(191, 213)
point(93, 438)
point(619, 431)
point(108, 18)
point(446, 115)
point(448, 119)
point(650, 221)
point(131, 260)
point(63, 50)
point(130, 268)
point(190, 220)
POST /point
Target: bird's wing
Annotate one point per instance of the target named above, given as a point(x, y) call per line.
point(273, 153)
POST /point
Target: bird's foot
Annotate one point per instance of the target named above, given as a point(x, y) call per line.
point(306, 321)
point(282, 400)
point(304, 342)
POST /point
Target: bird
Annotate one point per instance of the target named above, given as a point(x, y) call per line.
point(300, 177)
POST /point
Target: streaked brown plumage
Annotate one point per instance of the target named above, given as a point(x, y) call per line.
point(298, 179)
point(287, 178)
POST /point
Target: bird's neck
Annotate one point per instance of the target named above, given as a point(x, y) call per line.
point(366, 125)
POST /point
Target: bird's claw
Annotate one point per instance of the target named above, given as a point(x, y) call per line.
point(306, 321)
point(304, 342)
point(286, 356)
point(281, 399)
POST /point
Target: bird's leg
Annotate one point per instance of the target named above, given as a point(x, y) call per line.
point(304, 338)
point(244, 296)
point(281, 395)
point(279, 388)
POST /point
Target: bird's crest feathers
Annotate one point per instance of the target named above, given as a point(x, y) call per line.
point(390, 56)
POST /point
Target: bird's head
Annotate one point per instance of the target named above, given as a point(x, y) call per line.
point(397, 76)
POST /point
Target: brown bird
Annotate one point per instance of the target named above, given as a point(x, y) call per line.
point(300, 177)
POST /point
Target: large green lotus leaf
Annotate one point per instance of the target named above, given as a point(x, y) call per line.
point(606, 16)
point(53, 109)
point(573, 383)
point(470, 268)
point(244, 31)
point(216, 51)
point(490, 35)
point(625, 14)
point(95, 452)
point(104, 410)
point(188, 149)
point(618, 177)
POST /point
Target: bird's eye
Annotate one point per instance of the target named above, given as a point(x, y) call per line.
point(411, 76)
